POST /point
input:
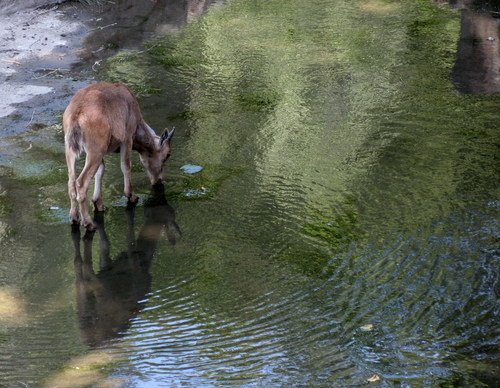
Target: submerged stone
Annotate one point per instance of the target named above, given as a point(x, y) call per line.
point(196, 193)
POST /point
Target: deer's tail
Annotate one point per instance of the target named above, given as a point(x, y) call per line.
point(73, 139)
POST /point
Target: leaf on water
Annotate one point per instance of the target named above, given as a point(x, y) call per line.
point(374, 378)
point(191, 168)
point(367, 327)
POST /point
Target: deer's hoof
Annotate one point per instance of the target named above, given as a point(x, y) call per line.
point(90, 226)
point(74, 219)
point(99, 206)
point(133, 199)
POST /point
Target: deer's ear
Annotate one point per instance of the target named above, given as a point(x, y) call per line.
point(167, 135)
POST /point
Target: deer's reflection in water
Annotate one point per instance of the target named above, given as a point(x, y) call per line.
point(109, 298)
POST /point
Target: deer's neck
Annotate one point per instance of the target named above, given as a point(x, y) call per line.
point(145, 140)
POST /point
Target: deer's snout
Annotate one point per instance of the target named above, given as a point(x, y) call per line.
point(157, 182)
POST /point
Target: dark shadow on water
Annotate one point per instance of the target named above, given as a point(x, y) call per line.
point(477, 64)
point(108, 299)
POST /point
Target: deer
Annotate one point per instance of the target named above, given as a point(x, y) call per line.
point(105, 118)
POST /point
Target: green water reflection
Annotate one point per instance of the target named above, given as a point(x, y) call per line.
point(345, 183)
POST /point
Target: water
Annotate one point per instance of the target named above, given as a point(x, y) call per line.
point(348, 225)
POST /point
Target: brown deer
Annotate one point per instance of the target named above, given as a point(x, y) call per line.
point(100, 119)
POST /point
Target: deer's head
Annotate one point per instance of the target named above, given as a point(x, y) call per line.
point(153, 160)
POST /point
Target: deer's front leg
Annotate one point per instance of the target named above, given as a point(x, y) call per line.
point(97, 197)
point(126, 165)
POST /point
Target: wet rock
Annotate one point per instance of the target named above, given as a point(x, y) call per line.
point(196, 193)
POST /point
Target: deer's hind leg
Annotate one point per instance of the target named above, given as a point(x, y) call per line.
point(71, 163)
point(92, 163)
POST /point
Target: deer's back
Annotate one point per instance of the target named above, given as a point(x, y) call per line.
point(101, 116)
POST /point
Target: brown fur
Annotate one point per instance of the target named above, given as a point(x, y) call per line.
point(100, 119)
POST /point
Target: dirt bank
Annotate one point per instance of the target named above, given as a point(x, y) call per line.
point(38, 47)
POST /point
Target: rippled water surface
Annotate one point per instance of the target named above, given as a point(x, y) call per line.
point(343, 226)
